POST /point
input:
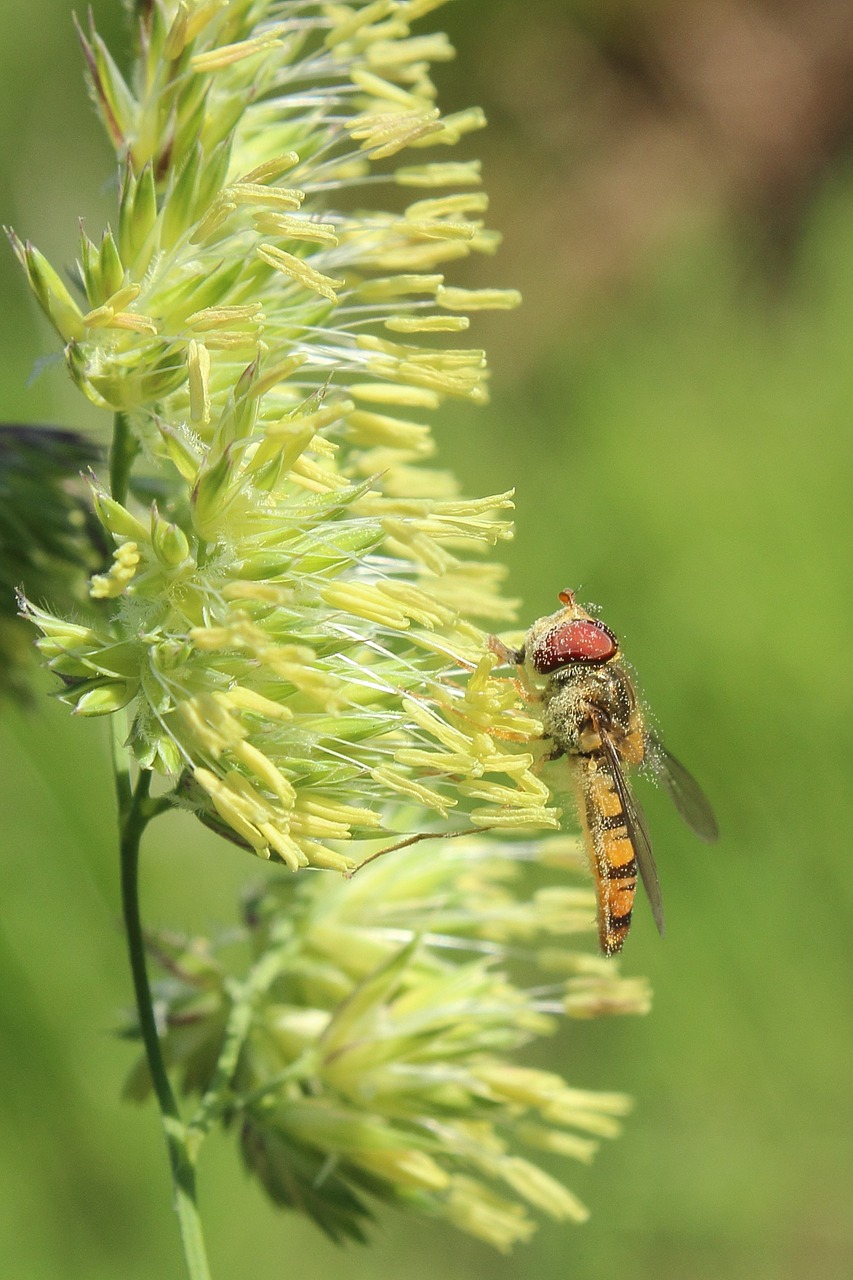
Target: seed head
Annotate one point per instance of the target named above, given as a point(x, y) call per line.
point(369, 1048)
point(292, 621)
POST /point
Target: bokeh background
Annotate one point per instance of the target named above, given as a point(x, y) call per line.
point(673, 405)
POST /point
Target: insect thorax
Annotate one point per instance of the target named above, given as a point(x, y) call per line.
point(578, 698)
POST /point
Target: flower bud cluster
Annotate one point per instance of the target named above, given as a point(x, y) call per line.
point(370, 1046)
point(291, 621)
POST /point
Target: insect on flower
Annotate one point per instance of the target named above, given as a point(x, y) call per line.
point(591, 715)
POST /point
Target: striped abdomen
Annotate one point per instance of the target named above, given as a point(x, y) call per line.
point(611, 849)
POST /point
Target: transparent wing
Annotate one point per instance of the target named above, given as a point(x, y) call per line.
point(684, 791)
point(637, 828)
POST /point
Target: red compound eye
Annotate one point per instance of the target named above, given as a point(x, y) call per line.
point(580, 640)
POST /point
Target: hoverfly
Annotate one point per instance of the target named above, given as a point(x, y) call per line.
point(592, 717)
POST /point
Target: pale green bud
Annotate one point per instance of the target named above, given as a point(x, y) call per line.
point(116, 519)
point(50, 291)
point(212, 494)
point(170, 543)
point(101, 699)
point(111, 268)
point(113, 98)
point(138, 219)
point(179, 204)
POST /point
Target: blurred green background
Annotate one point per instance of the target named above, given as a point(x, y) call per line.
point(673, 406)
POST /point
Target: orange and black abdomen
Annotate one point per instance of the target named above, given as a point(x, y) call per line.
point(611, 850)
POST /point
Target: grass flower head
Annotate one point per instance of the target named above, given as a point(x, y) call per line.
point(293, 616)
point(291, 619)
point(370, 1048)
